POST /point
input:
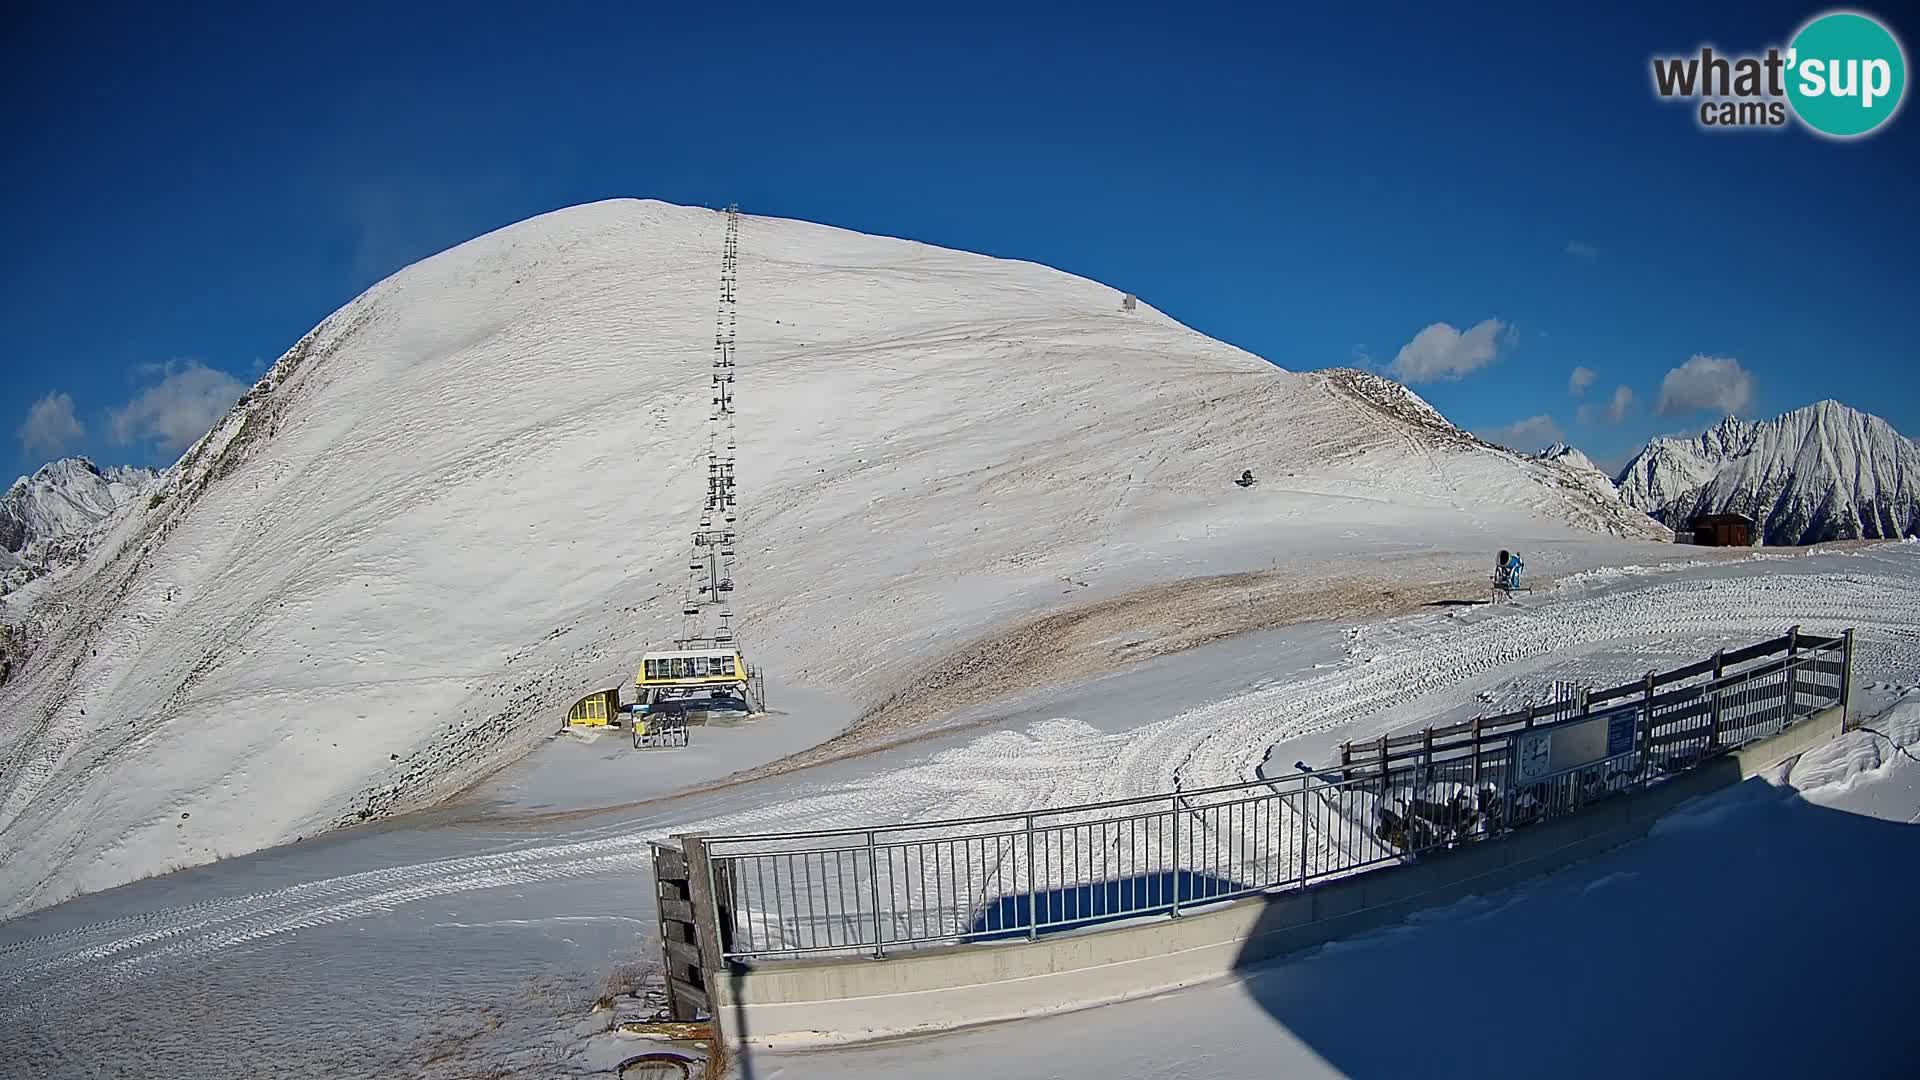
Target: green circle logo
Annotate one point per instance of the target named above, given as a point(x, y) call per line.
point(1846, 74)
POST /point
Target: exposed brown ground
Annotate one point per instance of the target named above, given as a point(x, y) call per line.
point(1117, 632)
point(1079, 641)
point(1057, 647)
point(1089, 639)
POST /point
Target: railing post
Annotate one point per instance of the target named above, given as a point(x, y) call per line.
point(1301, 814)
point(1174, 817)
point(1033, 888)
point(1506, 786)
point(1646, 730)
point(1476, 757)
point(712, 914)
point(873, 895)
point(1719, 672)
point(1846, 678)
point(1793, 675)
point(1384, 780)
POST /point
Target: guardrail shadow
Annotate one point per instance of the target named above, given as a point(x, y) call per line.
point(1076, 907)
point(1750, 933)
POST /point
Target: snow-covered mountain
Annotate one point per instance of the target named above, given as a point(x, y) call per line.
point(462, 500)
point(1822, 472)
point(1577, 472)
point(1570, 457)
point(1668, 468)
point(44, 517)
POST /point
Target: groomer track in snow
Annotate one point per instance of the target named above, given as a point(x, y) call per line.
point(1395, 676)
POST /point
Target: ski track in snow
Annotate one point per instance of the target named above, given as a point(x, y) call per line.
point(1420, 662)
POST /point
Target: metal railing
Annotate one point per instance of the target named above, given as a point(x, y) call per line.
point(1025, 874)
point(670, 733)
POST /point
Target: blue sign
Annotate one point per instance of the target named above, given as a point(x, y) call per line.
point(1620, 732)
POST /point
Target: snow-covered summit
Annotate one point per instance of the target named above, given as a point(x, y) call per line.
point(47, 519)
point(1569, 456)
point(64, 497)
point(1821, 472)
point(461, 501)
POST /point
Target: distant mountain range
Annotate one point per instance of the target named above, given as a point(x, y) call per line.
point(1823, 472)
point(45, 517)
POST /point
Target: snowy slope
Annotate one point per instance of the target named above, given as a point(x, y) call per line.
point(43, 516)
point(1577, 470)
point(1583, 497)
point(461, 501)
point(1823, 472)
point(431, 918)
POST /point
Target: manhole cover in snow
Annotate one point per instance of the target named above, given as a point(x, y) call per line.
point(657, 1067)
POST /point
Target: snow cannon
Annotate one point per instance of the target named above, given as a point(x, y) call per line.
point(1507, 575)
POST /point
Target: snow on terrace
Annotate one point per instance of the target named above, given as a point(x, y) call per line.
point(1761, 931)
point(460, 501)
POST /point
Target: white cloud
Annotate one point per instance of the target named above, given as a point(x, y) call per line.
point(1582, 251)
point(1617, 408)
point(1614, 411)
point(50, 427)
point(1531, 435)
point(178, 409)
point(1441, 352)
point(1578, 382)
point(1706, 382)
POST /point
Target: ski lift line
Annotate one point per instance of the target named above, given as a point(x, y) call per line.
point(722, 497)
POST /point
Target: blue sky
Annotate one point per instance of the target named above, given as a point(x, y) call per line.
point(193, 188)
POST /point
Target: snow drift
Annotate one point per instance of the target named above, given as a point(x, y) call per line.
point(462, 499)
point(1818, 473)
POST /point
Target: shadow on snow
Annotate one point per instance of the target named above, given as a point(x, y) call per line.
point(1078, 906)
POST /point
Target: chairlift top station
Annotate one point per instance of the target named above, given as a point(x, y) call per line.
point(706, 659)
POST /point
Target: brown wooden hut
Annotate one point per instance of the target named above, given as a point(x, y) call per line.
point(1723, 530)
